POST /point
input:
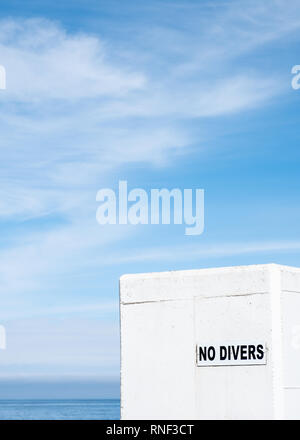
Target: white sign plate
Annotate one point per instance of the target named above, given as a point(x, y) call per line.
point(234, 353)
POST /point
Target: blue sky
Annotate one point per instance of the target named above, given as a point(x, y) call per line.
point(184, 94)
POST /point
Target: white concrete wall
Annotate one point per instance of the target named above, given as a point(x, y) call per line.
point(291, 340)
point(165, 315)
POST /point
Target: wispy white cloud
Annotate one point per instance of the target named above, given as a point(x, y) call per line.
point(69, 115)
point(68, 97)
point(200, 252)
point(33, 258)
point(44, 62)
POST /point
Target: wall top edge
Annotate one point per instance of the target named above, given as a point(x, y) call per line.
point(209, 271)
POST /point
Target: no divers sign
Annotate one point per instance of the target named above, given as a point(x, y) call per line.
point(231, 354)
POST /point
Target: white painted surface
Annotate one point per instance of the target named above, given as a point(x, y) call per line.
point(234, 392)
point(165, 315)
point(291, 342)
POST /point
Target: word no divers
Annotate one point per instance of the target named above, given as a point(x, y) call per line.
point(233, 354)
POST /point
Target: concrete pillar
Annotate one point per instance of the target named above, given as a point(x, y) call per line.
point(211, 344)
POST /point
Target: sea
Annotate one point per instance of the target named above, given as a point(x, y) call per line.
point(92, 409)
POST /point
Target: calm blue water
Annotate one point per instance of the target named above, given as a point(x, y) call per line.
point(104, 409)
